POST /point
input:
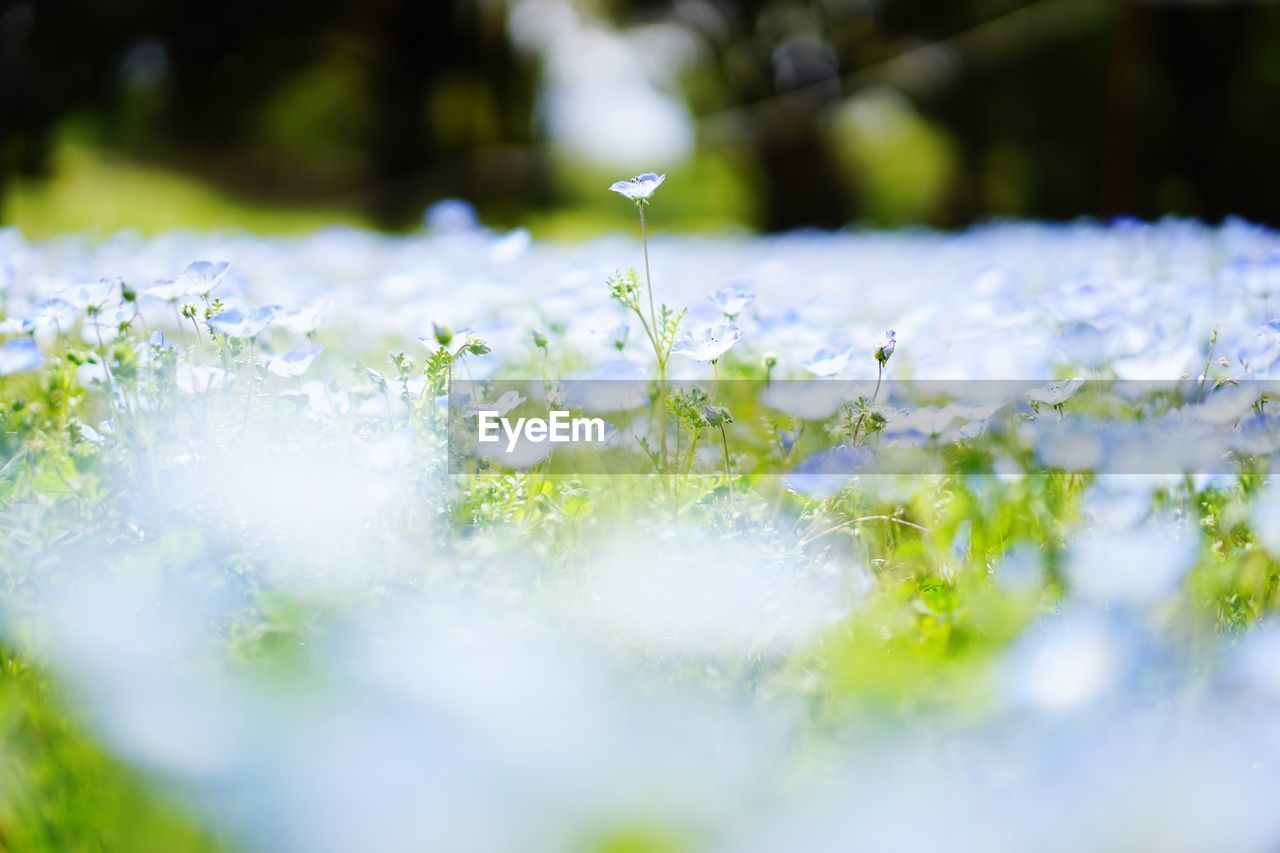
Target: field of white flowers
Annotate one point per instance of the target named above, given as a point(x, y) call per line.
point(249, 604)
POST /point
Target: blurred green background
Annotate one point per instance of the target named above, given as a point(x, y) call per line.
point(769, 114)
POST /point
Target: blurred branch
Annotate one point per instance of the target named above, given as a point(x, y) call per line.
point(927, 68)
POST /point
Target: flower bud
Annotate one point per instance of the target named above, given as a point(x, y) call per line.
point(443, 334)
point(885, 349)
point(717, 415)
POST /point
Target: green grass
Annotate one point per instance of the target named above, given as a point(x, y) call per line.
point(94, 192)
point(59, 792)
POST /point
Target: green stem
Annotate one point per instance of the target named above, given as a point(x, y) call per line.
point(656, 336)
point(853, 437)
point(1208, 362)
point(199, 339)
point(648, 279)
point(662, 414)
point(724, 442)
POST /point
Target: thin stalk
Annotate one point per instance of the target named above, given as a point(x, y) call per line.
point(853, 437)
point(848, 524)
point(656, 338)
point(724, 442)
point(199, 339)
point(1208, 362)
point(253, 377)
point(106, 362)
point(648, 279)
point(662, 414)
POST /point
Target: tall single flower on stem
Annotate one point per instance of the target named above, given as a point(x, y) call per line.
point(884, 351)
point(660, 326)
point(640, 189)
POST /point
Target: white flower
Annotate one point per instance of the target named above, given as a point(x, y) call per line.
point(199, 378)
point(828, 361)
point(615, 336)
point(454, 342)
point(54, 313)
point(303, 321)
point(1056, 393)
point(197, 279)
point(105, 324)
point(243, 322)
point(89, 294)
point(730, 301)
point(639, 188)
point(293, 363)
point(501, 406)
point(451, 216)
point(710, 345)
point(19, 356)
point(511, 246)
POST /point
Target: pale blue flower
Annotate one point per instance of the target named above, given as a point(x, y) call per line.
point(198, 279)
point(609, 387)
point(1066, 664)
point(619, 370)
point(511, 246)
point(500, 407)
point(806, 400)
point(730, 301)
point(243, 322)
point(825, 473)
point(710, 345)
point(639, 188)
point(86, 433)
point(303, 321)
point(451, 216)
point(19, 356)
point(55, 313)
point(293, 363)
point(206, 274)
point(104, 291)
point(615, 337)
point(200, 379)
point(104, 324)
point(828, 361)
point(454, 342)
point(1056, 393)
point(1133, 567)
point(525, 454)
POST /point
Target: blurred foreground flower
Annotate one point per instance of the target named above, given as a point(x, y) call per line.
point(731, 301)
point(20, 355)
point(197, 279)
point(295, 362)
point(827, 361)
point(243, 322)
